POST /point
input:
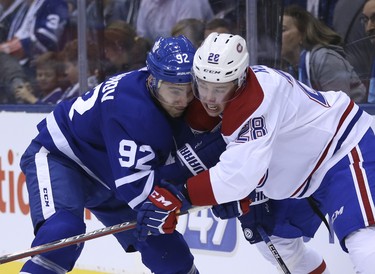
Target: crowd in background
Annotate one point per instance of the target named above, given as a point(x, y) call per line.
point(325, 44)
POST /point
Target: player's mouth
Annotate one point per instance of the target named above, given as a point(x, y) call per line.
point(212, 107)
point(212, 110)
point(179, 110)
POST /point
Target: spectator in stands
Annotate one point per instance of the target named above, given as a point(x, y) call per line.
point(49, 76)
point(321, 9)
point(36, 28)
point(113, 10)
point(191, 28)
point(123, 48)
point(11, 77)
point(219, 25)
point(157, 17)
point(314, 55)
point(368, 20)
point(100, 14)
point(70, 60)
point(9, 11)
point(358, 49)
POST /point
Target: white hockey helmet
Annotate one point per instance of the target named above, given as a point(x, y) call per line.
point(221, 58)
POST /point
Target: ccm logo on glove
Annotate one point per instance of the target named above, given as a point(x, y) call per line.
point(163, 199)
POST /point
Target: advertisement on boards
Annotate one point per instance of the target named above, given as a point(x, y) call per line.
point(218, 245)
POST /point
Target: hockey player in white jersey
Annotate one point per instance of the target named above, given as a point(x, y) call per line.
point(105, 151)
point(288, 141)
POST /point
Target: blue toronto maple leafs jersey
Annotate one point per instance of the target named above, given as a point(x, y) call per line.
point(40, 25)
point(116, 133)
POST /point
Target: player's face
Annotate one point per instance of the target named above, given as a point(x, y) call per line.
point(174, 98)
point(291, 41)
point(214, 96)
point(368, 19)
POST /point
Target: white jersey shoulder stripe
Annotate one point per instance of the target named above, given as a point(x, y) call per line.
point(132, 178)
point(62, 144)
point(146, 191)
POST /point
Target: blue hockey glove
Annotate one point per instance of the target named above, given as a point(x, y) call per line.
point(158, 214)
point(232, 209)
point(200, 154)
point(260, 213)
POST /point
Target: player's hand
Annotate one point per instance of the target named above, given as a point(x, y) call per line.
point(232, 209)
point(158, 214)
point(260, 213)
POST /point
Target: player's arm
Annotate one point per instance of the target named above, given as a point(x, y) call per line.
point(195, 156)
point(13, 47)
point(132, 162)
point(199, 189)
point(199, 153)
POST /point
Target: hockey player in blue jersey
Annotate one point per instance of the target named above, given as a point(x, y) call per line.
point(289, 141)
point(104, 151)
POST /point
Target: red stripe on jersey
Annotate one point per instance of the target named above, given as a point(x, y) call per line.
point(320, 269)
point(240, 109)
point(198, 119)
point(343, 117)
point(200, 189)
point(362, 187)
point(299, 188)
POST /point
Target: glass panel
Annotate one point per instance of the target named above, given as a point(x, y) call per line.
point(76, 44)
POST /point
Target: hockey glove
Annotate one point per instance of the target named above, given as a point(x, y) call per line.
point(158, 214)
point(260, 213)
point(232, 209)
point(200, 154)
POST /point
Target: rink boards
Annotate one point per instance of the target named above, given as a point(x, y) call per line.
point(218, 246)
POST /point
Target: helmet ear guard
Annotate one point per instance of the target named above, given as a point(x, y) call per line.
point(153, 84)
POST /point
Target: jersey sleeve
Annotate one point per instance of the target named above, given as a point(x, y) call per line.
point(132, 164)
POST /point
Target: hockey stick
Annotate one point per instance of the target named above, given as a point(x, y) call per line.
point(78, 239)
point(67, 241)
point(273, 249)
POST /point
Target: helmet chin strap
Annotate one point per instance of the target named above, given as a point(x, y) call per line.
point(242, 78)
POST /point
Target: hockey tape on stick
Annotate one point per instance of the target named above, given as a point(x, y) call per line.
point(78, 239)
point(273, 249)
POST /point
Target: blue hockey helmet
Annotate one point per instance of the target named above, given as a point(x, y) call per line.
point(171, 60)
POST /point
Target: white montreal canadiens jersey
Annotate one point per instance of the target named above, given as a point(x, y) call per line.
point(115, 133)
point(282, 137)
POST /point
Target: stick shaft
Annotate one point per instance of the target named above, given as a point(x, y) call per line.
point(78, 239)
point(68, 241)
point(273, 249)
